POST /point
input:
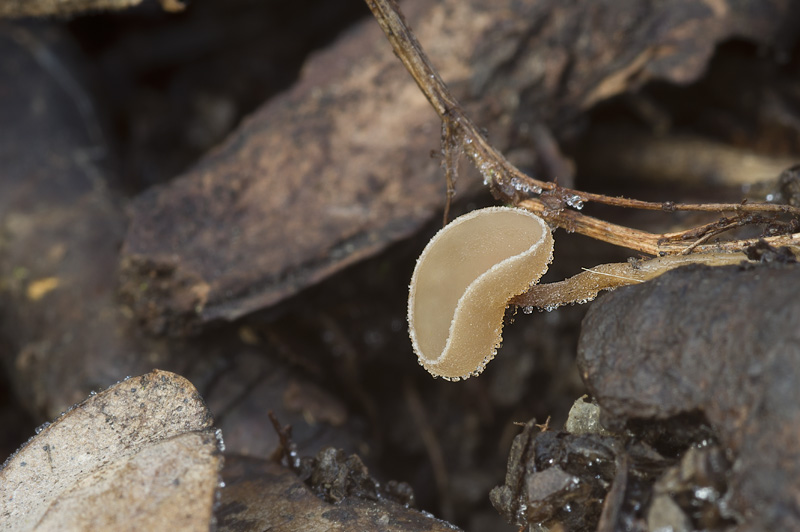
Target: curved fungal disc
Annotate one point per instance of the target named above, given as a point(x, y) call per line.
point(462, 284)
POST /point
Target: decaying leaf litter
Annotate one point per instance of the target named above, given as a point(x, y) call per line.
point(142, 453)
point(333, 361)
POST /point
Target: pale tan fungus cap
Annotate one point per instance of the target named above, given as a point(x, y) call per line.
point(462, 284)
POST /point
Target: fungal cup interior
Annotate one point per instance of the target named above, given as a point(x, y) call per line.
point(462, 284)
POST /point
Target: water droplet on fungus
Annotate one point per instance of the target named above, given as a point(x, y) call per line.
point(575, 202)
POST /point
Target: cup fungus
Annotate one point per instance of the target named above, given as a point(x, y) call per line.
point(463, 282)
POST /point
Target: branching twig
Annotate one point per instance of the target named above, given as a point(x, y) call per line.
point(574, 221)
point(512, 185)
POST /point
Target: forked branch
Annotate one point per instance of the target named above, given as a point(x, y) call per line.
point(551, 201)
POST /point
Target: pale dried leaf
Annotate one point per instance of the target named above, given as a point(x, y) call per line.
point(139, 453)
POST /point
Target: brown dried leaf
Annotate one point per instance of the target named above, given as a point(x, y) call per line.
point(255, 498)
point(140, 455)
point(564, 57)
point(314, 181)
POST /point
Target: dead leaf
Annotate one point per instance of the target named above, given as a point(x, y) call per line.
point(141, 455)
point(263, 495)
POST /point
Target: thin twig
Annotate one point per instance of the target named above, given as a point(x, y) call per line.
point(489, 161)
point(713, 228)
point(512, 185)
point(288, 448)
point(450, 151)
point(627, 279)
point(574, 221)
point(695, 207)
